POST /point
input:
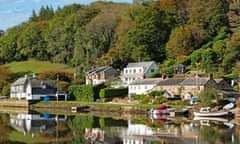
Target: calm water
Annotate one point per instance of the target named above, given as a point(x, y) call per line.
point(85, 129)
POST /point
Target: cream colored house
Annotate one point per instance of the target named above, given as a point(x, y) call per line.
point(138, 70)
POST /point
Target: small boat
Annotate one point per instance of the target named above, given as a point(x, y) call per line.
point(205, 112)
point(162, 110)
point(219, 119)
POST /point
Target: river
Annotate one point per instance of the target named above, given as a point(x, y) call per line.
point(82, 128)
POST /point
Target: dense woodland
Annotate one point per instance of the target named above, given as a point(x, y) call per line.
point(169, 32)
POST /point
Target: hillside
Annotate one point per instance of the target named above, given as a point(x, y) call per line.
point(34, 66)
point(114, 34)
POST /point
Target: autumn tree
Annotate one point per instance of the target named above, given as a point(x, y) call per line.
point(184, 40)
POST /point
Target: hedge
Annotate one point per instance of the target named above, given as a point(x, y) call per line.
point(85, 92)
point(113, 92)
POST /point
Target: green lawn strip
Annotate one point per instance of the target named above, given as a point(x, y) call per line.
point(76, 103)
point(35, 66)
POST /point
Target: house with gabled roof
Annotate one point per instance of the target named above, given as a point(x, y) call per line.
point(143, 86)
point(193, 86)
point(138, 70)
point(170, 85)
point(99, 75)
point(31, 88)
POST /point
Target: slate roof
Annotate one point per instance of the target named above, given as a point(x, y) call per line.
point(194, 81)
point(39, 83)
point(20, 81)
point(171, 81)
point(145, 65)
point(99, 69)
point(148, 81)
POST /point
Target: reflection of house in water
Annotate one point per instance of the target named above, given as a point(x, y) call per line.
point(99, 136)
point(36, 123)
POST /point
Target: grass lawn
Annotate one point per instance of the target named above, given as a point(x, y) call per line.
point(34, 66)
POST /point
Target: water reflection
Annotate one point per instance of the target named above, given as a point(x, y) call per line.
point(36, 123)
point(88, 129)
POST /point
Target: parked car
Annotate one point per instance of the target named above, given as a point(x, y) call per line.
point(193, 100)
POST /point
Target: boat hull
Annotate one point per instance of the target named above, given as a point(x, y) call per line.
point(211, 114)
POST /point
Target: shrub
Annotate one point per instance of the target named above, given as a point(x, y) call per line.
point(113, 92)
point(160, 100)
point(138, 96)
point(54, 75)
point(84, 92)
point(157, 93)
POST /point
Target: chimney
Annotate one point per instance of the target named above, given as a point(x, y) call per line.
point(163, 76)
point(210, 75)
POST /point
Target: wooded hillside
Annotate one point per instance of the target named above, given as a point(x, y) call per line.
point(105, 33)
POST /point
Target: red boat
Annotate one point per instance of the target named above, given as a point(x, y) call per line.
point(162, 110)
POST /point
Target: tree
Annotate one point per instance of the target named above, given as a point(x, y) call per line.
point(218, 16)
point(5, 76)
point(208, 62)
point(232, 52)
point(184, 40)
point(149, 33)
point(208, 96)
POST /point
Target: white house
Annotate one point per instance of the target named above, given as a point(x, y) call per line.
point(30, 88)
point(143, 86)
point(138, 70)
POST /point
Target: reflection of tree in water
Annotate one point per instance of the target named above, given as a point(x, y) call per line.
point(78, 124)
point(62, 132)
point(5, 128)
point(209, 134)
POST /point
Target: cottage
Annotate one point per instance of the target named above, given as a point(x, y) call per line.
point(100, 75)
point(138, 70)
point(30, 88)
point(171, 85)
point(143, 86)
point(225, 89)
point(195, 85)
point(179, 69)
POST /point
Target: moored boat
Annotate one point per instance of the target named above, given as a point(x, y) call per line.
point(205, 112)
point(162, 110)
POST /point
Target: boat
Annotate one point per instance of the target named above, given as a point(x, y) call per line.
point(162, 110)
point(205, 112)
point(219, 119)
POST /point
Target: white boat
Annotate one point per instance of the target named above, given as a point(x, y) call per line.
point(205, 112)
point(219, 119)
point(229, 106)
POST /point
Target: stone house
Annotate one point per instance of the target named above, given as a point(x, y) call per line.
point(171, 85)
point(138, 70)
point(193, 86)
point(99, 75)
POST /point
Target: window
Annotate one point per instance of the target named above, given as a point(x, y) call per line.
point(126, 71)
point(140, 70)
point(152, 70)
point(134, 71)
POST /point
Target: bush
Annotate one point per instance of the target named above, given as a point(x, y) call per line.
point(160, 100)
point(84, 92)
point(138, 96)
point(157, 93)
point(54, 75)
point(113, 92)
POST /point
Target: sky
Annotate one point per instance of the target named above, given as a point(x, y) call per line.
point(14, 12)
